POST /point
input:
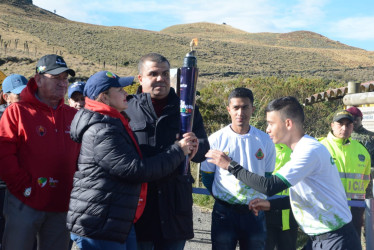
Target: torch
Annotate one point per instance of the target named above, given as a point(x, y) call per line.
point(187, 89)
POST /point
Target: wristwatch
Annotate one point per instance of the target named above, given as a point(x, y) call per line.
point(232, 165)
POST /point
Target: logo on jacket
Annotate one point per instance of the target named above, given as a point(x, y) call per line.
point(42, 181)
point(27, 192)
point(332, 160)
point(361, 157)
point(52, 182)
point(41, 130)
point(259, 154)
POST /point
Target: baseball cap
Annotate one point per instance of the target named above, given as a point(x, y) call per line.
point(342, 114)
point(14, 84)
point(102, 81)
point(53, 64)
point(355, 111)
point(76, 87)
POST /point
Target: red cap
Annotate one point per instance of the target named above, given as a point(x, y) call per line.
point(355, 111)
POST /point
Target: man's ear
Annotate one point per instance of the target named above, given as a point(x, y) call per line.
point(38, 79)
point(140, 78)
point(289, 123)
point(5, 96)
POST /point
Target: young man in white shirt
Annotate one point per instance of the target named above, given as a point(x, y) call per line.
point(317, 196)
point(232, 222)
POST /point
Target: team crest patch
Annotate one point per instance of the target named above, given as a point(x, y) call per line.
point(41, 130)
point(361, 157)
point(42, 181)
point(259, 154)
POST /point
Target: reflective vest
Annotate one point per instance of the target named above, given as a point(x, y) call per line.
point(353, 163)
point(283, 155)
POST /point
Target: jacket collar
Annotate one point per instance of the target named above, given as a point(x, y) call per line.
point(341, 141)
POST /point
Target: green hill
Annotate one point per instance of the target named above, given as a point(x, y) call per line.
point(28, 32)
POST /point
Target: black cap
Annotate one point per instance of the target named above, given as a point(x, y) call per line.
point(53, 64)
point(342, 114)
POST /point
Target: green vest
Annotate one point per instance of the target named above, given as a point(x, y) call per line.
point(353, 163)
point(283, 155)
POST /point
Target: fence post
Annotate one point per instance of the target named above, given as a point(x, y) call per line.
point(369, 224)
point(197, 181)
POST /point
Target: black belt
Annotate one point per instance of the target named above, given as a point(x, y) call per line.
point(327, 235)
point(242, 208)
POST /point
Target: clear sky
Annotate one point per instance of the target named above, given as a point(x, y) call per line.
point(348, 21)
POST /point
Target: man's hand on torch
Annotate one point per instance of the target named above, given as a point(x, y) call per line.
point(189, 144)
point(258, 204)
point(218, 158)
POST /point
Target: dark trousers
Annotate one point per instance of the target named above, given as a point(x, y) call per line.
point(236, 223)
point(344, 238)
point(276, 237)
point(281, 240)
point(358, 219)
point(164, 245)
point(2, 219)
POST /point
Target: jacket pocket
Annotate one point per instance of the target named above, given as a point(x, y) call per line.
point(183, 195)
point(144, 132)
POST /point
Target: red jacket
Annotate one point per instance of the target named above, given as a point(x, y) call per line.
point(36, 152)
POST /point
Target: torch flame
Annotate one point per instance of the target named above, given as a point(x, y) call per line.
point(193, 43)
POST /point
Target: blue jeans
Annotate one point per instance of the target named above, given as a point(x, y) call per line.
point(235, 223)
point(85, 243)
point(162, 245)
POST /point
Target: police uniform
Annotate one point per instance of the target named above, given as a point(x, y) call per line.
point(353, 163)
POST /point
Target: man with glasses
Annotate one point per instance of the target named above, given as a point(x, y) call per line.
point(352, 160)
point(38, 160)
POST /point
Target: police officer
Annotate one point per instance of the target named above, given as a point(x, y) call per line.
point(366, 138)
point(352, 160)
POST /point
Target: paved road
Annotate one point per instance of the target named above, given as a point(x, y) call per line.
point(201, 220)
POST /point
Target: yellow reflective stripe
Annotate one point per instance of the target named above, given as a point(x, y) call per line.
point(285, 219)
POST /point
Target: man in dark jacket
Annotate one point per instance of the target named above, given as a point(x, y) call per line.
point(154, 117)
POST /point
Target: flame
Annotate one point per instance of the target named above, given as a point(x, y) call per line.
point(195, 41)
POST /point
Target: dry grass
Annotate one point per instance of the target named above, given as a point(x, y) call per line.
point(223, 53)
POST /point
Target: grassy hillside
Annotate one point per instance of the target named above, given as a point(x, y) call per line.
point(223, 52)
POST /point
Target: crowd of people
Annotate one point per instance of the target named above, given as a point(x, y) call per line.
point(104, 171)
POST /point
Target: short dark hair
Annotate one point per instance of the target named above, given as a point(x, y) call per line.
point(289, 107)
point(153, 57)
point(241, 93)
